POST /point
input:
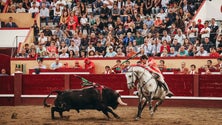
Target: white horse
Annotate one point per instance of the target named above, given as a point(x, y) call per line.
point(148, 88)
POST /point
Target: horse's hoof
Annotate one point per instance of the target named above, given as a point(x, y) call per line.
point(117, 117)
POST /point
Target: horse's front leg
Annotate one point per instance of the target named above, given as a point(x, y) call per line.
point(140, 109)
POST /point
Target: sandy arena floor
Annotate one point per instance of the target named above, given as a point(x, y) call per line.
point(38, 115)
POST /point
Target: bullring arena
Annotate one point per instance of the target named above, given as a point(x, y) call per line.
point(27, 76)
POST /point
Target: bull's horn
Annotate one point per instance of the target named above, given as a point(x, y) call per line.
point(121, 102)
point(118, 91)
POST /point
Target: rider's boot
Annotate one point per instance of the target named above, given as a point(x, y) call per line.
point(168, 92)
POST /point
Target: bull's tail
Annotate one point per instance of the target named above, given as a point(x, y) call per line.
point(44, 102)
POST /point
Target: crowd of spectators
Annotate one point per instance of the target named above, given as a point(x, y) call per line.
point(119, 28)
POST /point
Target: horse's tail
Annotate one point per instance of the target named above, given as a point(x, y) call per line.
point(45, 103)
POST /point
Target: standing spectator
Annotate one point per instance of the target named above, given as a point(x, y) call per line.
point(56, 64)
point(200, 26)
point(207, 70)
point(89, 65)
point(44, 13)
point(11, 24)
point(213, 31)
point(192, 69)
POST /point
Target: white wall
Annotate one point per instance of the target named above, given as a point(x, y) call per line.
point(8, 37)
point(211, 9)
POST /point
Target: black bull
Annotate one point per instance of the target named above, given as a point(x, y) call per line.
point(88, 98)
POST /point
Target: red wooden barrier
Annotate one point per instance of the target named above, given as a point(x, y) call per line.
point(42, 84)
point(210, 85)
point(180, 85)
point(6, 89)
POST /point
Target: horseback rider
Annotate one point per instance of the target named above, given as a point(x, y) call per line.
point(152, 66)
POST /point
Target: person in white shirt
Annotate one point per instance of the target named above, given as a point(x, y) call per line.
point(84, 23)
point(20, 9)
point(57, 14)
point(44, 13)
point(205, 32)
point(64, 54)
point(180, 36)
point(36, 3)
point(73, 47)
point(56, 64)
point(34, 9)
point(166, 37)
point(202, 52)
point(111, 53)
point(61, 3)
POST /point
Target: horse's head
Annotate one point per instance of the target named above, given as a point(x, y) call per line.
point(130, 78)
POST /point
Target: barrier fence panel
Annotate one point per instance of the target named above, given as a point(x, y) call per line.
point(180, 85)
point(41, 84)
point(210, 85)
point(6, 90)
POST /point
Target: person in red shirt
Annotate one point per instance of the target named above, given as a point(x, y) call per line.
point(214, 53)
point(89, 65)
point(199, 25)
point(153, 67)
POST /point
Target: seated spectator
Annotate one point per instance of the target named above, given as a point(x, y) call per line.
point(53, 54)
point(33, 54)
point(172, 52)
point(56, 64)
point(117, 68)
point(110, 53)
point(3, 72)
point(89, 65)
point(22, 54)
point(207, 70)
point(183, 68)
point(219, 63)
point(207, 44)
point(77, 65)
point(202, 52)
point(180, 36)
point(131, 52)
point(42, 39)
point(74, 48)
point(91, 54)
point(126, 66)
point(176, 45)
point(11, 24)
point(20, 8)
point(40, 49)
point(64, 54)
point(63, 47)
point(213, 52)
point(192, 69)
point(34, 9)
point(2, 24)
point(210, 65)
point(164, 53)
point(120, 53)
point(57, 14)
point(162, 65)
point(40, 64)
point(108, 70)
point(182, 52)
point(65, 65)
